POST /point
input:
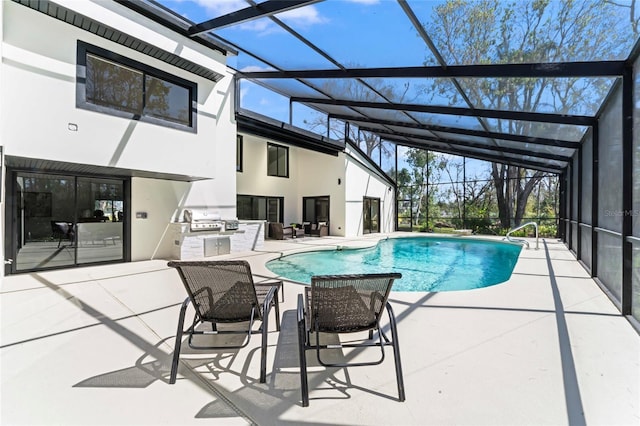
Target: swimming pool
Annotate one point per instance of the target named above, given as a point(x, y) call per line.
point(426, 263)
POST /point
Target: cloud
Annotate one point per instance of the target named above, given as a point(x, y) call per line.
point(243, 93)
point(306, 16)
point(212, 8)
point(255, 68)
point(303, 16)
point(217, 8)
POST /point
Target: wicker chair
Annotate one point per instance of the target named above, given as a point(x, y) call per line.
point(224, 292)
point(346, 304)
point(278, 231)
point(320, 229)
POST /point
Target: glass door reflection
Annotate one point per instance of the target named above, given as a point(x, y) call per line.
point(66, 220)
point(44, 221)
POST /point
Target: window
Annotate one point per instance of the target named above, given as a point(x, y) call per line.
point(112, 84)
point(252, 207)
point(315, 209)
point(277, 160)
point(239, 153)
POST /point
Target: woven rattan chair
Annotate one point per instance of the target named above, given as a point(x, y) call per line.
point(346, 304)
point(278, 231)
point(224, 292)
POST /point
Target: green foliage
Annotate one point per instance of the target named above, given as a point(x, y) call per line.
point(449, 202)
point(548, 231)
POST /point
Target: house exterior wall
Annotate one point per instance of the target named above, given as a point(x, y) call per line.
point(253, 180)
point(316, 174)
point(362, 181)
point(38, 101)
point(309, 175)
point(319, 174)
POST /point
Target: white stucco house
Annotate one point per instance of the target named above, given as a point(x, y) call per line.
point(113, 121)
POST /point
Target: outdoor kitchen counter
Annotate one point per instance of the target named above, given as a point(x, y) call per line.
point(188, 244)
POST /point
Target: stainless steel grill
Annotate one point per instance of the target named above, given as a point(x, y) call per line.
point(203, 220)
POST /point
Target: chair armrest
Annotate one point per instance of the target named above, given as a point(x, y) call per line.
point(197, 293)
point(268, 283)
point(268, 301)
point(279, 284)
point(301, 310)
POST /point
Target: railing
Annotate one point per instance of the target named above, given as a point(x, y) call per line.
point(518, 240)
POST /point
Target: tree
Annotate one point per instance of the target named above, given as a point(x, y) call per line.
point(371, 91)
point(422, 163)
point(453, 169)
point(631, 5)
point(535, 31)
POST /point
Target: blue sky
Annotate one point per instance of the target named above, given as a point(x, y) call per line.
point(356, 33)
point(363, 33)
point(368, 32)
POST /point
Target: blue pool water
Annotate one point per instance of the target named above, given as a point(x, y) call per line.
point(426, 263)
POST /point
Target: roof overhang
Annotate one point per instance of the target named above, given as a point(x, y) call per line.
point(259, 125)
point(78, 20)
point(37, 165)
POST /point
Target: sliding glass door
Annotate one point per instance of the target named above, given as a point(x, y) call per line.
point(371, 215)
point(99, 213)
point(64, 220)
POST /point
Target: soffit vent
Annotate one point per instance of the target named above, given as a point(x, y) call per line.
point(80, 21)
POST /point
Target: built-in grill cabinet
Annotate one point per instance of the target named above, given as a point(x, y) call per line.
point(203, 233)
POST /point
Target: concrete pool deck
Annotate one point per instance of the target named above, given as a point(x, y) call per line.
point(92, 346)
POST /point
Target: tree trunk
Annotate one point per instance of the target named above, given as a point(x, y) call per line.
point(510, 192)
point(523, 196)
point(498, 175)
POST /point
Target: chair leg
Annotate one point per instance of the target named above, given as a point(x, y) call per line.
point(270, 300)
point(396, 353)
point(263, 348)
point(277, 308)
point(302, 345)
point(178, 344)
